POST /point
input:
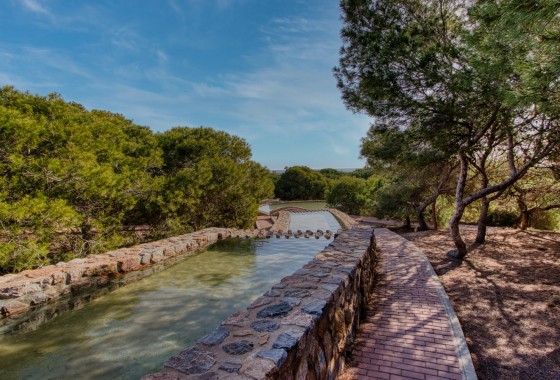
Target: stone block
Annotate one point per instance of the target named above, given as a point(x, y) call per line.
point(215, 337)
point(258, 368)
point(239, 347)
point(13, 307)
point(192, 361)
point(129, 263)
point(261, 301)
point(277, 356)
point(264, 325)
point(298, 318)
point(315, 307)
point(145, 257)
point(230, 365)
point(280, 309)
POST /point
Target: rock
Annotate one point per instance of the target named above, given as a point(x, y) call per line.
point(15, 289)
point(261, 301)
point(192, 361)
point(145, 258)
point(272, 293)
point(298, 318)
point(278, 356)
point(58, 277)
point(299, 293)
point(40, 297)
point(264, 325)
point(291, 300)
point(164, 376)
point(242, 332)
point(13, 307)
point(257, 368)
point(129, 263)
point(239, 347)
point(280, 309)
point(315, 308)
point(285, 341)
point(263, 339)
point(230, 365)
point(239, 318)
point(215, 337)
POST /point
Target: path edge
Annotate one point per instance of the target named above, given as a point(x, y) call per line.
point(465, 360)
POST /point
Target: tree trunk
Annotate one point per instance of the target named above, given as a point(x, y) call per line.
point(422, 226)
point(461, 247)
point(87, 236)
point(407, 225)
point(525, 215)
point(482, 219)
point(434, 216)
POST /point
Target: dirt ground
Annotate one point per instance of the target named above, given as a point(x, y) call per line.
point(507, 297)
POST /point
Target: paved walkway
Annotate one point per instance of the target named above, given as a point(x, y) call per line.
point(411, 330)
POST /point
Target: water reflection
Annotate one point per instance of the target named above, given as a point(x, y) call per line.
point(133, 330)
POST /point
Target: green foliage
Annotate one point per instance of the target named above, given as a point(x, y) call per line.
point(451, 81)
point(502, 218)
point(210, 180)
point(331, 173)
point(364, 173)
point(72, 181)
point(349, 194)
point(301, 183)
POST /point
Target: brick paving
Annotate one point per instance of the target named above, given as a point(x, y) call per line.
point(411, 331)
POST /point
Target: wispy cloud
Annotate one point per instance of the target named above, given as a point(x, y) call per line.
point(35, 6)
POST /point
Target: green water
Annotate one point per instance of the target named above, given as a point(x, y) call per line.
point(318, 205)
point(132, 331)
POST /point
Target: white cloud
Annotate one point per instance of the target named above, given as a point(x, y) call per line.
point(34, 6)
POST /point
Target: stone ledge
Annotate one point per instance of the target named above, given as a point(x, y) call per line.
point(302, 328)
point(35, 296)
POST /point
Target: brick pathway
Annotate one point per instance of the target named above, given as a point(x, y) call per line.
point(411, 330)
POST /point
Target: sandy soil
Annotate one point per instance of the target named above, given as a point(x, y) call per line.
point(507, 297)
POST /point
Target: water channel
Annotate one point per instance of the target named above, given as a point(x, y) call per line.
point(309, 205)
point(132, 331)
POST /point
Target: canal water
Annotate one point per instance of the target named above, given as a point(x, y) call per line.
point(311, 205)
point(132, 331)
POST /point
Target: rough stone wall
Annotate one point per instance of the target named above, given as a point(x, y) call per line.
point(35, 296)
point(300, 329)
point(344, 219)
point(282, 224)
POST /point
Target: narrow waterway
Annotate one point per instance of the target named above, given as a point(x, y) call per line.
point(311, 205)
point(133, 330)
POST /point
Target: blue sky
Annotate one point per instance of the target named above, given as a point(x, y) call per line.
point(259, 69)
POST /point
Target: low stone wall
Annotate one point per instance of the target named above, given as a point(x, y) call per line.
point(282, 223)
point(344, 219)
point(300, 329)
point(35, 296)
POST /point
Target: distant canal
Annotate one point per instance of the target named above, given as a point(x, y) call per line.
point(311, 205)
point(132, 331)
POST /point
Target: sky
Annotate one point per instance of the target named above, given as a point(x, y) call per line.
point(258, 69)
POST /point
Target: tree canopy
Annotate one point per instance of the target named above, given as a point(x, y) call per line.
point(473, 81)
point(73, 181)
point(301, 183)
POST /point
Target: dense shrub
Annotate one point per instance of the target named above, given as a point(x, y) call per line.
point(85, 177)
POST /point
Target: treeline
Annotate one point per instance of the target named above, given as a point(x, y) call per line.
point(421, 192)
point(350, 192)
point(75, 182)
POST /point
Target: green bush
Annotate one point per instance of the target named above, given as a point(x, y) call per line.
point(348, 194)
point(502, 218)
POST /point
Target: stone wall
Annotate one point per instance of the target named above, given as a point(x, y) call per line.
point(35, 296)
point(344, 219)
point(302, 328)
point(282, 224)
